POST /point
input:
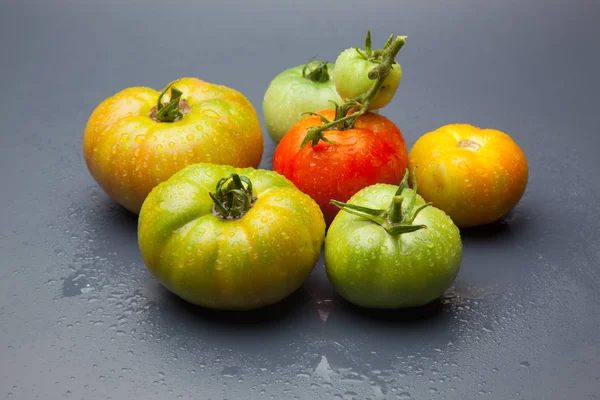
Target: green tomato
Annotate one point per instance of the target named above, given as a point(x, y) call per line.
point(352, 78)
point(296, 91)
point(371, 267)
point(249, 247)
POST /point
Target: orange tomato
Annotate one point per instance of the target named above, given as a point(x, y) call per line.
point(475, 175)
point(129, 149)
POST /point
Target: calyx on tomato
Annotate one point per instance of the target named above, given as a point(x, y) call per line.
point(392, 219)
point(316, 71)
point(347, 113)
point(232, 197)
point(174, 110)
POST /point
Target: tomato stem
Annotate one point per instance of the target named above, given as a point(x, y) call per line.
point(394, 220)
point(232, 197)
point(172, 111)
point(316, 71)
point(360, 104)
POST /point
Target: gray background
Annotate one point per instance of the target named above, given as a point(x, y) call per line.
point(80, 317)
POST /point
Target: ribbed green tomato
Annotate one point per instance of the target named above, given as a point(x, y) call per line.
point(352, 78)
point(298, 90)
point(251, 246)
point(375, 262)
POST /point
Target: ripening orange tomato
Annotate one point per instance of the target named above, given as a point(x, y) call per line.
point(475, 175)
point(140, 137)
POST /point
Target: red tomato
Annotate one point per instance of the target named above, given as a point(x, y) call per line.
point(373, 151)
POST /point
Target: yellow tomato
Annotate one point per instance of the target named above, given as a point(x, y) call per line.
point(139, 138)
point(475, 175)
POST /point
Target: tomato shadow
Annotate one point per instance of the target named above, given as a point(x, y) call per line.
point(252, 333)
point(275, 336)
point(405, 316)
point(262, 318)
point(508, 228)
point(391, 334)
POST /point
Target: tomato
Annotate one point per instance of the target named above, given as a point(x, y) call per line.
point(475, 175)
point(230, 238)
point(298, 90)
point(373, 151)
point(352, 78)
point(130, 146)
point(389, 249)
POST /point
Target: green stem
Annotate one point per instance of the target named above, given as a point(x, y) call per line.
point(171, 111)
point(388, 59)
point(378, 74)
point(232, 197)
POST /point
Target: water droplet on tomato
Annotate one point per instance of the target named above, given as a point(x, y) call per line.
point(171, 144)
point(153, 138)
point(124, 137)
point(190, 137)
point(159, 147)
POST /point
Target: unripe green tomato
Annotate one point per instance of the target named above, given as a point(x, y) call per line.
point(290, 94)
point(352, 78)
point(230, 263)
point(372, 268)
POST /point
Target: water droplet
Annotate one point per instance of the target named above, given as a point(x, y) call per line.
point(525, 364)
point(190, 137)
point(159, 147)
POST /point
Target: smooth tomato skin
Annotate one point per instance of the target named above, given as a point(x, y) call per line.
point(128, 153)
point(476, 182)
point(290, 94)
point(373, 269)
point(238, 264)
point(352, 78)
point(373, 151)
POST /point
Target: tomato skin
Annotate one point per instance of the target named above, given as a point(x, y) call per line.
point(476, 184)
point(128, 153)
point(352, 78)
point(290, 94)
point(238, 264)
point(373, 269)
point(373, 151)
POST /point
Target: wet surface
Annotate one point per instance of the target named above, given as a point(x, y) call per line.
point(81, 318)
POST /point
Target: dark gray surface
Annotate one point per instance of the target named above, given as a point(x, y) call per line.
point(81, 318)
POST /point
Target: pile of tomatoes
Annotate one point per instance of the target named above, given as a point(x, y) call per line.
point(221, 233)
